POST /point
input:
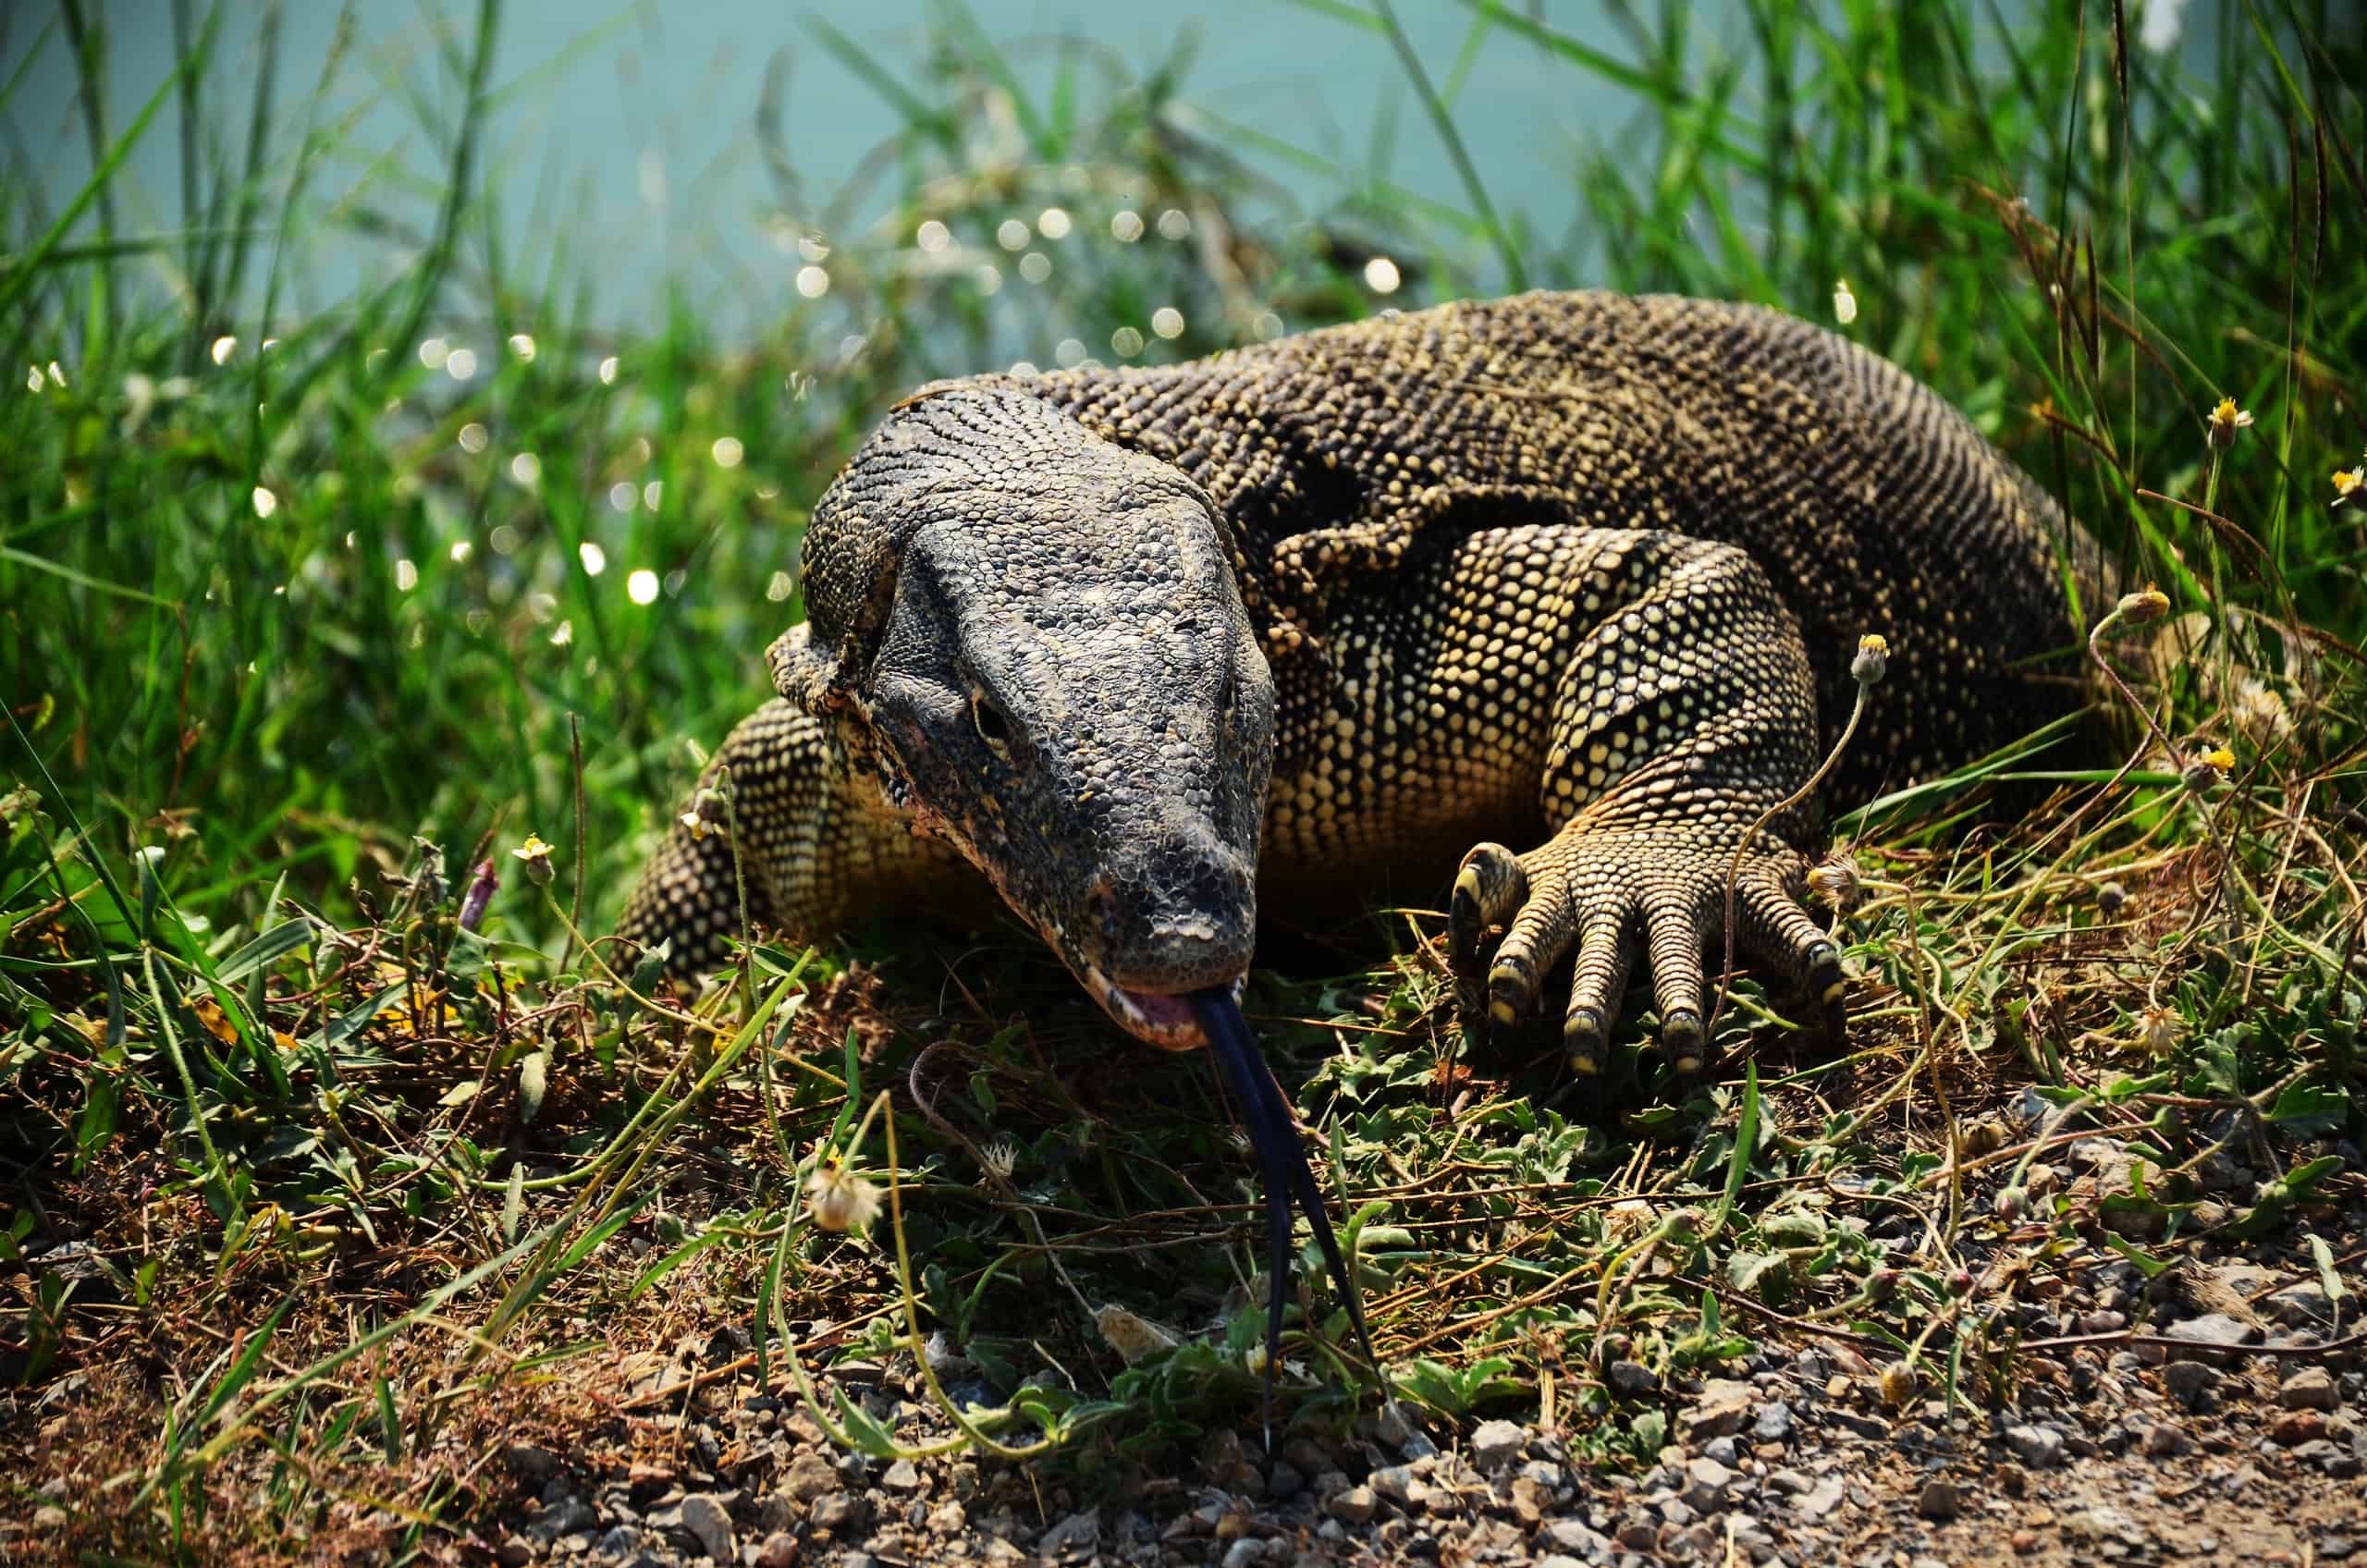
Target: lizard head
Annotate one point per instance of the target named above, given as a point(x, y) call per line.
point(1035, 638)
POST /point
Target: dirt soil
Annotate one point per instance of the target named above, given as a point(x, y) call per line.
point(2234, 1435)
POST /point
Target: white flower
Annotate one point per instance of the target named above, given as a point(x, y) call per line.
point(840, 1199)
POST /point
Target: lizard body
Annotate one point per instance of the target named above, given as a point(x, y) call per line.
point(1583, 573)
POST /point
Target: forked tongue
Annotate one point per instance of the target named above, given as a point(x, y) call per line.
point(1283, 1168)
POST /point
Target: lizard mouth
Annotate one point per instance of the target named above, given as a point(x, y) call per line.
point(1155, 1018)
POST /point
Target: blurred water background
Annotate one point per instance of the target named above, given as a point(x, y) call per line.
point(658, 142)
point(638, 129)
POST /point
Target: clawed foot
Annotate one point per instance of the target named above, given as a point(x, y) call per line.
point(1615, 895)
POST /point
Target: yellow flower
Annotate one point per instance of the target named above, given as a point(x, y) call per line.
point(2221, 758)
point(2346, 483)
point(2226, 420)
point(840, 1199)
point(537, 857)
point(2148, 603)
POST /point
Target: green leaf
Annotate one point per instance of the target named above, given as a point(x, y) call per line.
point(2276, 1197)
point(263, 952)
point(675, 1260)
point(863, 1429)
point(2146, 1264)
point(96, 1124)
point(1764, 1275)
point(349, 1023)
point(390, 1430)
point(533, 1078)
point(1650, 1429)
point(244, 1368)
point(2328, 1281)
point(2309, 1109)
point(1746, 1141)
point(1796, 1228)
point(582, 1245)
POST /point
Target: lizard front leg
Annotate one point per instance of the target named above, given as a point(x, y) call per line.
point(1684, 714)
point(807, 836)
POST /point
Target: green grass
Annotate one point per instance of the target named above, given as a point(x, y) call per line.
point(275, 621)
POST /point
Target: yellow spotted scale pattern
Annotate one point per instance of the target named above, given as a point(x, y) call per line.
point(1581, 574)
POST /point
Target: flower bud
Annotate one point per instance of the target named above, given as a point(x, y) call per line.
point(1834, 881)
point(537, 856)
point(706, 812)
point(479, 896)
point(2226, 420)
point(1874, 658)
point(2209, 770)
point(2147, 604)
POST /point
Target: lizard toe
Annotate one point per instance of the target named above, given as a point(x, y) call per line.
point(1774, 925)
point(1490, 886)
point(1597, 981)
point(1539, 936)
point(1673, 935)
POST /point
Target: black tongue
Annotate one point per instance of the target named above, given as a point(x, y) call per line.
point(1283, 1168)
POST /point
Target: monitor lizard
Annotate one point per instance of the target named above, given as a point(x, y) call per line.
point(1544, 600)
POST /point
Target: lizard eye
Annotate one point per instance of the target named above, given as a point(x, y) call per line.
point(993, 728)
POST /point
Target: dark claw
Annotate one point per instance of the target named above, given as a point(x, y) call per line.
point(1828, 986)
point(1682, 1037)
point(1821, 965)
point(1583, 1036)
point(1511, 991)
point(1490, 886)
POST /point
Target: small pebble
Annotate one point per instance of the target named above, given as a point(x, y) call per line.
point(2191, 1383)
point(2294, 1427)
point(1631, 1379)
point(2311, 1388)
point(1497, 1445)
point(707, 1519)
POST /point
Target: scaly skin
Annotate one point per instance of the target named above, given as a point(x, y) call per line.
point(1582, 572)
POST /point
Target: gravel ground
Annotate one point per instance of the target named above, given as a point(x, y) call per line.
point(2231, 1435)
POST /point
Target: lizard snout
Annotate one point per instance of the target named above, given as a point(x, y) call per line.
point(1181, 917)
